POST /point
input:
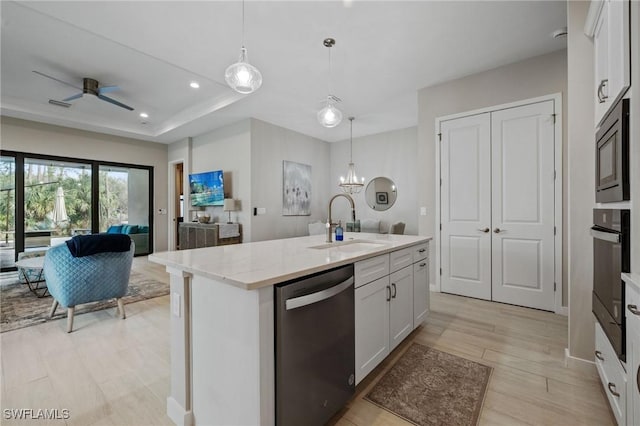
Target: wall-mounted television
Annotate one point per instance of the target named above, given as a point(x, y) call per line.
point(207, 189)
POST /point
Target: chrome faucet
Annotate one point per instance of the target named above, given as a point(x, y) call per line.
point(330, 223)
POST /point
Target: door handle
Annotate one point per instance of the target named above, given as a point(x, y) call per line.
point(485, 230)
point(298, 302)
point(612, 389)
point(601, 96)
point(633, 309)
point(599, 355)
point(498, 230)
point(395, 290)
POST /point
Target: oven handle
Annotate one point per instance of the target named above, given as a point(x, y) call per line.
point(298, 302)
point(606, 236)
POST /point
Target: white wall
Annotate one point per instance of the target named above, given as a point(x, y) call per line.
point(542, 75)
point(390, 154)
point(227, 149)
point(270, 145)
point(33, 137)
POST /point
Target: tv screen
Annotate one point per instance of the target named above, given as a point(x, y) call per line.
point(207, 189)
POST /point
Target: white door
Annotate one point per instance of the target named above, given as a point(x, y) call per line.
point(523, 266)
point(465, 240)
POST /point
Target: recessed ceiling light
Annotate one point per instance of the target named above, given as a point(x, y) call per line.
point(144, 115)
point(194, 85)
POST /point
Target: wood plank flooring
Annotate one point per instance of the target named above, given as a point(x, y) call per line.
point(116, 372)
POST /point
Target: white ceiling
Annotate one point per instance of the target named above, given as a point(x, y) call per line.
point(385, 51)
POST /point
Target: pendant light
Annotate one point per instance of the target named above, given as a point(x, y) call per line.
point(242, 76)
point(330, 116)
point(351, 184)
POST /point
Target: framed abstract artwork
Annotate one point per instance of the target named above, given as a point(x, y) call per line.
point(296, 189)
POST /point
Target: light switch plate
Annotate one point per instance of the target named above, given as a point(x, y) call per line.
point(423, 211)
point(175, 304)
point(262, 210)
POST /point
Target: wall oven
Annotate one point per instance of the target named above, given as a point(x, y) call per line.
point(612, 155)
point(611, 233)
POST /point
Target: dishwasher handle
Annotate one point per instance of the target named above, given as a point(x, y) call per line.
point(309, 299)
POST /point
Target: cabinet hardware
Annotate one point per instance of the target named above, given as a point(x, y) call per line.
point(422, 250)
point(422, 265)
point(599, 355)
point(601, 96)
point(638, 378)
point(612, 389)
point(485, 230)
point(497, 230)
point(395, 290)
point(388, 293)
point(633, 309)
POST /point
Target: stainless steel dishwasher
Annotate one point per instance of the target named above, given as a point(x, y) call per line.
point(315, 347)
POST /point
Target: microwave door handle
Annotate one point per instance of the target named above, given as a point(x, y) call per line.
point(606, 236)
point(298, 302)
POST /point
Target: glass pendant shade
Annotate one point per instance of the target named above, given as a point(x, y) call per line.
point(329, 116)
point(242, 76)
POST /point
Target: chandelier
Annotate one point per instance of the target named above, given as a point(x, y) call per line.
point(351, 184)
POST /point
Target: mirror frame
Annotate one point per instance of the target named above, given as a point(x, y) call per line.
point(381, 200)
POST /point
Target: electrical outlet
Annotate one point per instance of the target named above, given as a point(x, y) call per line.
point(162, 211)
point(175, 301)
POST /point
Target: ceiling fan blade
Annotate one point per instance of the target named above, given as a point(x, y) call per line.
point(71, 98)
point(107, 89)
point(58, 80)
point(113, 101)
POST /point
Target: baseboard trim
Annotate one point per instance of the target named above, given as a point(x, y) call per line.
point(563, 310)
point(568, 357)
point(178, 414)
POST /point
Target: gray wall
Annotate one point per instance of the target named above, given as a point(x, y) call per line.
point(29, 136)
point(542, 75)
point(270, 145)
point(581, 177)
point(635, 136)
point(389, 154)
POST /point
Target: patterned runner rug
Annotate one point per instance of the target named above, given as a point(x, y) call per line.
point(20, 308)
point(429, 387)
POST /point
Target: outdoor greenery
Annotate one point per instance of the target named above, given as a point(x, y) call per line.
point(41, 184)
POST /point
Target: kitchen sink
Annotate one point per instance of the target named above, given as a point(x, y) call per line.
point(351, 245)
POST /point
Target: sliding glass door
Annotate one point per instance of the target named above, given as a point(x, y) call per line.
point(7, 212)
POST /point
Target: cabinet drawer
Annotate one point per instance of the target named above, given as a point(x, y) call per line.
point(421, 251)
point(371, 269)
point(612, 375)
point(401, 259)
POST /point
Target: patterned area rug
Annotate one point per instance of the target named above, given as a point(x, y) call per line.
point(20, 308)
point(429, 387)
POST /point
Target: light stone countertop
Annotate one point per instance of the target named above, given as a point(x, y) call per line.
point(264, 263)
point(632, 279)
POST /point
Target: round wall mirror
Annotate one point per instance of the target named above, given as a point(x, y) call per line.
point(381, 193)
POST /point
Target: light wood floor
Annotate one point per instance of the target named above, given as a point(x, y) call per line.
point(116, 372)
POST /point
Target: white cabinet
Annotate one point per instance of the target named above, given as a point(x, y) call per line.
point(420, 292)
point(633, 352)
point(608, 23)
point(372, 325)
point(612, 375)
point(400, 259)
point(401, 309)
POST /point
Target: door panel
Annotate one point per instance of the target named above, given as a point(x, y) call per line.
point(523, 205)
point(466, 206)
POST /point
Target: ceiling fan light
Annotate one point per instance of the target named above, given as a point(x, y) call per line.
point(329, 116)
point(242, 76)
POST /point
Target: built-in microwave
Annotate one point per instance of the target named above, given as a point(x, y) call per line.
point(612, 155)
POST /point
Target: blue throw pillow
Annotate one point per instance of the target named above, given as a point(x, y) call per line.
point(130, 229)
point(114, 229)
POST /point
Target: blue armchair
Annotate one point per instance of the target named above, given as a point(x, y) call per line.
point(76, 280)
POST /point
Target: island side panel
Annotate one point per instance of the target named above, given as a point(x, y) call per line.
point(232, 354)
point(179, 399)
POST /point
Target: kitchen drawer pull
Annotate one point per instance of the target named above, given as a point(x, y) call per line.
point(612, 389)
point(395, 290)
point(638, 378)
point(599, 355)
point(388, 293)
point(422, 250)
point(633, 309)
point(422, 265)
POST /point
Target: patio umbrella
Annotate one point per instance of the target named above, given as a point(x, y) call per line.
point(59, 209)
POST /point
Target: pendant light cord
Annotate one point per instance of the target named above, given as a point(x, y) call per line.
point(351, 141)
point(243, 23)
point(329, 79)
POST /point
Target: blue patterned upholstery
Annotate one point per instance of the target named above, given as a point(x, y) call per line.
point(76, 280)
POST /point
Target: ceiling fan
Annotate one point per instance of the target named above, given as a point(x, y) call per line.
point(90, 87)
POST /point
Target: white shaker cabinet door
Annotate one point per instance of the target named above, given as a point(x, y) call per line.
point(401, 309)
point(372, 325)
point(420, 292)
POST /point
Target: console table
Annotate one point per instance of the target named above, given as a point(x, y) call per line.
point(196, 235)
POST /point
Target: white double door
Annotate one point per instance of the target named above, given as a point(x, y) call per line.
point(498, 205)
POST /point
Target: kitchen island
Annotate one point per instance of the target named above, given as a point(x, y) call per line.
point(222, 319)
